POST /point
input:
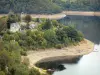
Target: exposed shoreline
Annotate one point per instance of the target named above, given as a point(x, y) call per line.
point(63, 14)
point(66, 13)
point(83, 48)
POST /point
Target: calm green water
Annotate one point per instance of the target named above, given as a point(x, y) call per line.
point(89, 64)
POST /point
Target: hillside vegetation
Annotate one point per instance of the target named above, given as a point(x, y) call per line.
point(47, 6)
point(28, 6)
point(85, 5)
point(46, 34)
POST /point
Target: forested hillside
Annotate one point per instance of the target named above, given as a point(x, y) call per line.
point(47, 6)
point(29, 6)
point(85, 5)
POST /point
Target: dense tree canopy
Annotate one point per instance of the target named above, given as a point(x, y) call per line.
point(47, 6)
point(47, 34)
point(28, 6)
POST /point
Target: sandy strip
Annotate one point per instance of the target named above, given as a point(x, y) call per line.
point(63, 14)
point(66, 13)
point(82, 13)
point(49, 16)
point(82, 48)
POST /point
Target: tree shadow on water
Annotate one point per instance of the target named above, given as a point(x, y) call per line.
point(56, 63)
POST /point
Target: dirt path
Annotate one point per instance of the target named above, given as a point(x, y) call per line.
point(83, 48)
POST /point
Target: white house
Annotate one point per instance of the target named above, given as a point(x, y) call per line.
point(14, 27)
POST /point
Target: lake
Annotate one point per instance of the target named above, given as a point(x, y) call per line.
point(88, 64)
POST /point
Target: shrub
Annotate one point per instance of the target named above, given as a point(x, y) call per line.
point(5, 59)
point(28, 18)
point(21, 70)
point(12, 46)
point(2, 73)
point(51, 37)
point(55, 23)
point(61, 35)
point(3, 23)
point(6, 37)
point(72, 33)
point(24, 53)
point(80, 36)
point(59, 46)
point(1, 45)
point(34, 71)
point(16, 57)
point(37, 39)
point(38, 20)
point(47, 25)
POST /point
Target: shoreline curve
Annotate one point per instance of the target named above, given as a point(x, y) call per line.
point(83, 48)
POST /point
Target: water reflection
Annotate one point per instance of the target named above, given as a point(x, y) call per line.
point(89, 64)
point(57, 64)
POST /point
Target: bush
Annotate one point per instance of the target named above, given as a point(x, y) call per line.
point(28, 18)
point(72, 33)
point(61, 35)
point(80, 36)
point(38, 20)
point(21, 70)
point(5, 59)
point(1, 45)
point(47, 25)
point(59, 46)
point(55, 23)
point(34, 71)
point(2, 73)
point(3, 23)
point(24, 53)
point(36, 39)
point(12, 46)
point(51, 37)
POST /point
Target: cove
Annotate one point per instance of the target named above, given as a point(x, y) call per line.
point(88, 64)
